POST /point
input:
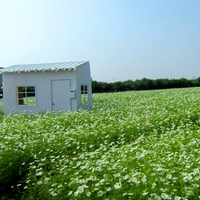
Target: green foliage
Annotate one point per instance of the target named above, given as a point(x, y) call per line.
point(143, 84)
point(131, 145)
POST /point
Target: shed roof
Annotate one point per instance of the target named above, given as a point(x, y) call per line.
point(60, 66)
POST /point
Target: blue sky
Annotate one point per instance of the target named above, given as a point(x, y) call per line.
point(122, 39)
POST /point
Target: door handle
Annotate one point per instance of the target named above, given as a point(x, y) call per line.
point(53, 103)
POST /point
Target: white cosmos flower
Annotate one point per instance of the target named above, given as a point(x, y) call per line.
point(117, 185)
point(38, 173)
point(100, 193)
point(144, 179)
point(108, 189)
point(169, 176)
point(177, 198)
point(145, 193)
point(88, 194)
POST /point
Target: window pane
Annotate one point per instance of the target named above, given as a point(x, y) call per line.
point(20, 89)
point(30, 94)
point(20, 96)
point(30, 89)
point(29, 101)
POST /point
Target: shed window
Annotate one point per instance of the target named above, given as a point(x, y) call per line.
point(84, 95)
point(26, 95)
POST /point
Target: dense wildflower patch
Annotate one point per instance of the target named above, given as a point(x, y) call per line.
point(131, 145)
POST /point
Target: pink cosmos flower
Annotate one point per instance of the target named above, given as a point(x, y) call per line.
point(133, 139)
point(69, 155)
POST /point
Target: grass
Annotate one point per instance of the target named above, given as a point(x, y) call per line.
point(131, 145)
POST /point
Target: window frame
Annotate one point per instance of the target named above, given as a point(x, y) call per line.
point(84, 94)
point(22, 93)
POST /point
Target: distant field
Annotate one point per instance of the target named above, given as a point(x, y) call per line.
point(131, 145)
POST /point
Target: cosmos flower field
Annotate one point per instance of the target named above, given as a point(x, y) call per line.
point(131, 145)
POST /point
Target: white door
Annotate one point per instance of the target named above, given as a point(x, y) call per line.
point(60, 95)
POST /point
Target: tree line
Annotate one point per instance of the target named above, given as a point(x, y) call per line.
point(143, 84)
point(140, 84)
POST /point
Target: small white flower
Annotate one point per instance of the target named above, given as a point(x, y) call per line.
point(60, 186)
point(46, 179)
point(159, 169)
point(117, 185)
point(53, 193)
point(177, 198)
point(39, 183)
point(100, 193)
point(144, 179)
point(145, 193)
point(154, 185)
point(88, 194)
point(169, 176)
point(116, 175)
point(134, 180)
point(92, 178)
point(126, 177)
point(108, 189)
point(76, 193)
point(43, 159)
point(39, 173)
point(78, 163)
point(165, 196)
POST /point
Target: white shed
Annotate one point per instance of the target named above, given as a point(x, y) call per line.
point(47, 87)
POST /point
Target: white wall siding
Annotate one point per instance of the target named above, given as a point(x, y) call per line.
point(84, 78)
point(42, 83)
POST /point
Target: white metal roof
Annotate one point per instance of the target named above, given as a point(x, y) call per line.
point(61, 66)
